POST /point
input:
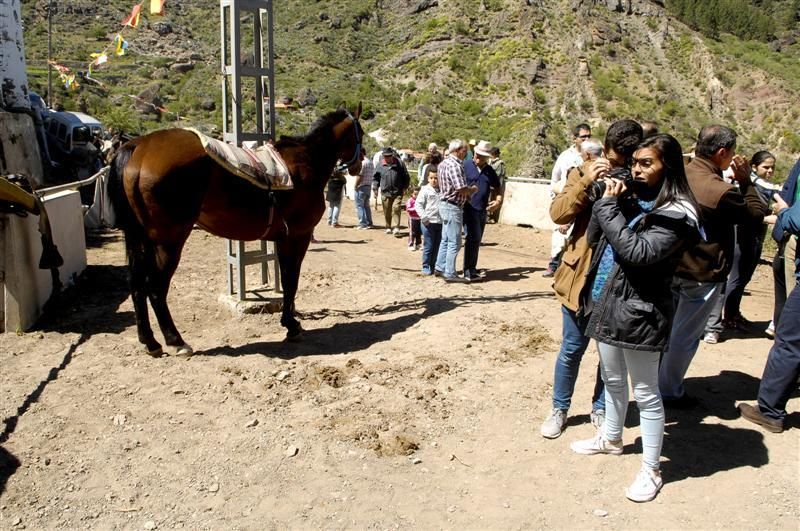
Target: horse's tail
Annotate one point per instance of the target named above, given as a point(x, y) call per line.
point(123, 216)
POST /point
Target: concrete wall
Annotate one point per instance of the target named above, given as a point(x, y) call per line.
point(19, 147)
point(527, 202)
point(27, 287)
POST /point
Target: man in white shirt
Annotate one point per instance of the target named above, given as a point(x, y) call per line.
point(568, 159)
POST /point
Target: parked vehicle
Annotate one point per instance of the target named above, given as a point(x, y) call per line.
point(69, 134)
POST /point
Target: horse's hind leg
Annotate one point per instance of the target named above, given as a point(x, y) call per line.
point(165, 262)
point(138, 264)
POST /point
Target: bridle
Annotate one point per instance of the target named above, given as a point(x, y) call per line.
point(357, 151)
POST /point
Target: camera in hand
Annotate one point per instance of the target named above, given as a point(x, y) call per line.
point(598, 188)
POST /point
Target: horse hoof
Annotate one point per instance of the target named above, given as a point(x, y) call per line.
point(294, 337)
point(184, 351)
point(156, 352)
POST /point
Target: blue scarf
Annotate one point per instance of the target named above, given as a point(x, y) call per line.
point(609, 257)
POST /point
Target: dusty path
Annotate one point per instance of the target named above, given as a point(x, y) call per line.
point(411, 403)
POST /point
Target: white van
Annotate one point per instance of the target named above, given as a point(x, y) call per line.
point(68, 131)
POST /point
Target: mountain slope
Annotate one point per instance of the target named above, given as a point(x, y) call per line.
point(517, 73)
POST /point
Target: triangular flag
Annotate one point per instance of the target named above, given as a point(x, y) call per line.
point(156, 7)
point(133, 20)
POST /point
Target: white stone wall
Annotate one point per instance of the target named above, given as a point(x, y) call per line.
point(27, 288)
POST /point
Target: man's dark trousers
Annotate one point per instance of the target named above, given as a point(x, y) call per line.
point(783, 364)
point(474, 223)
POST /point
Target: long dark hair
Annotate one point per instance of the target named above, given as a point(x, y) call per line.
point(674, 186)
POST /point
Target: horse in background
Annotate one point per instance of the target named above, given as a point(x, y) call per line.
point(164, 183)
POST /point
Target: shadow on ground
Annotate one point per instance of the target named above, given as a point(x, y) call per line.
point(360, 332)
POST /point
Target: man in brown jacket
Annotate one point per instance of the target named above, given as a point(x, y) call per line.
point(574, 205)
point(703, 269)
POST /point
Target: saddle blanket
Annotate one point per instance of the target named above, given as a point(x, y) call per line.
point(262, 166)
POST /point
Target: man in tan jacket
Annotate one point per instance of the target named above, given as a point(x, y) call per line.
point(574, 205)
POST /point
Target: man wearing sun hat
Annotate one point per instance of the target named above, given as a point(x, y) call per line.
point(479, 173)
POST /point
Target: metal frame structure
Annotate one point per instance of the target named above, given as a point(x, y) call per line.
point(234, 72)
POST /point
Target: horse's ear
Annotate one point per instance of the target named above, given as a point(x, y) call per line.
point(358, 111)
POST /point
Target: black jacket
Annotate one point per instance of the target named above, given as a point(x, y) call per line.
point(635, 308)
point(394, 178)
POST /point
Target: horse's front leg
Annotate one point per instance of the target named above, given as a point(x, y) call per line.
point(290, 258)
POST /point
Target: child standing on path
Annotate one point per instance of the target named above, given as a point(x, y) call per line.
point(427, 208)
point(414, 225)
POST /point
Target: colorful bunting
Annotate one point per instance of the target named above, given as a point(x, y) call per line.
point(156, 7)
point(133, 20)
point(120, 45)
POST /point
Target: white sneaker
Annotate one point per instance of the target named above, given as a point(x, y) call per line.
point(712, 338)
point(598, 418)
point(388, 231)
point(596, 445)
point(646, 485)
point(770, 331)
point(554, 424)
point(412, 248)
point(396, 231)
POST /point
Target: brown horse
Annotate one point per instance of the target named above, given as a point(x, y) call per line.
point(164, 183)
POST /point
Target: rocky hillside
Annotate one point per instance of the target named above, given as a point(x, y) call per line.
point(516, 72)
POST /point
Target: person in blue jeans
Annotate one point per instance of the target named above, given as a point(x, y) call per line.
point(783, 364)
point(427, 207)
point(454, 192)
point(363, 188)
point(573, 204)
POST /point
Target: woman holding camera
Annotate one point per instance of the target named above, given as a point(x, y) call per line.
point(638, 230)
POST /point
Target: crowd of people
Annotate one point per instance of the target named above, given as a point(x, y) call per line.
point(456, 193)
point(644, 247)
point(652, 248)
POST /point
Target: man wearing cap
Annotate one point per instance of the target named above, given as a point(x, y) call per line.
point(500, 169)
point(394, 180)
point(478, 172)
point(454, 192)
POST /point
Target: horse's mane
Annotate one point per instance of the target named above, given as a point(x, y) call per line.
point(321, 124)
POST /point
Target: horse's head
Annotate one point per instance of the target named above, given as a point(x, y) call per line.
point(348, 139)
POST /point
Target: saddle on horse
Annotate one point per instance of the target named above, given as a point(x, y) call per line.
point(262, 166)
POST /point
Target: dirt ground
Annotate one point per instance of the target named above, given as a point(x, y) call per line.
point(410, 404)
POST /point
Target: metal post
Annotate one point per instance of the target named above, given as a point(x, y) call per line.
point(49, 54)
point(231, 11)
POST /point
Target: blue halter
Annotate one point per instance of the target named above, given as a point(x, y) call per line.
point(357, 152)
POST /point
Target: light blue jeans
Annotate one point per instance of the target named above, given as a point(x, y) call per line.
point(362, 206)
point(694, 302)
point(333, 212)
point(616, 364)
point(452, 222)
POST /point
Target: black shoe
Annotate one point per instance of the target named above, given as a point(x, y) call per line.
point(457, 280)
point(754, 415)
point(683, 402)
point(438, 273)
